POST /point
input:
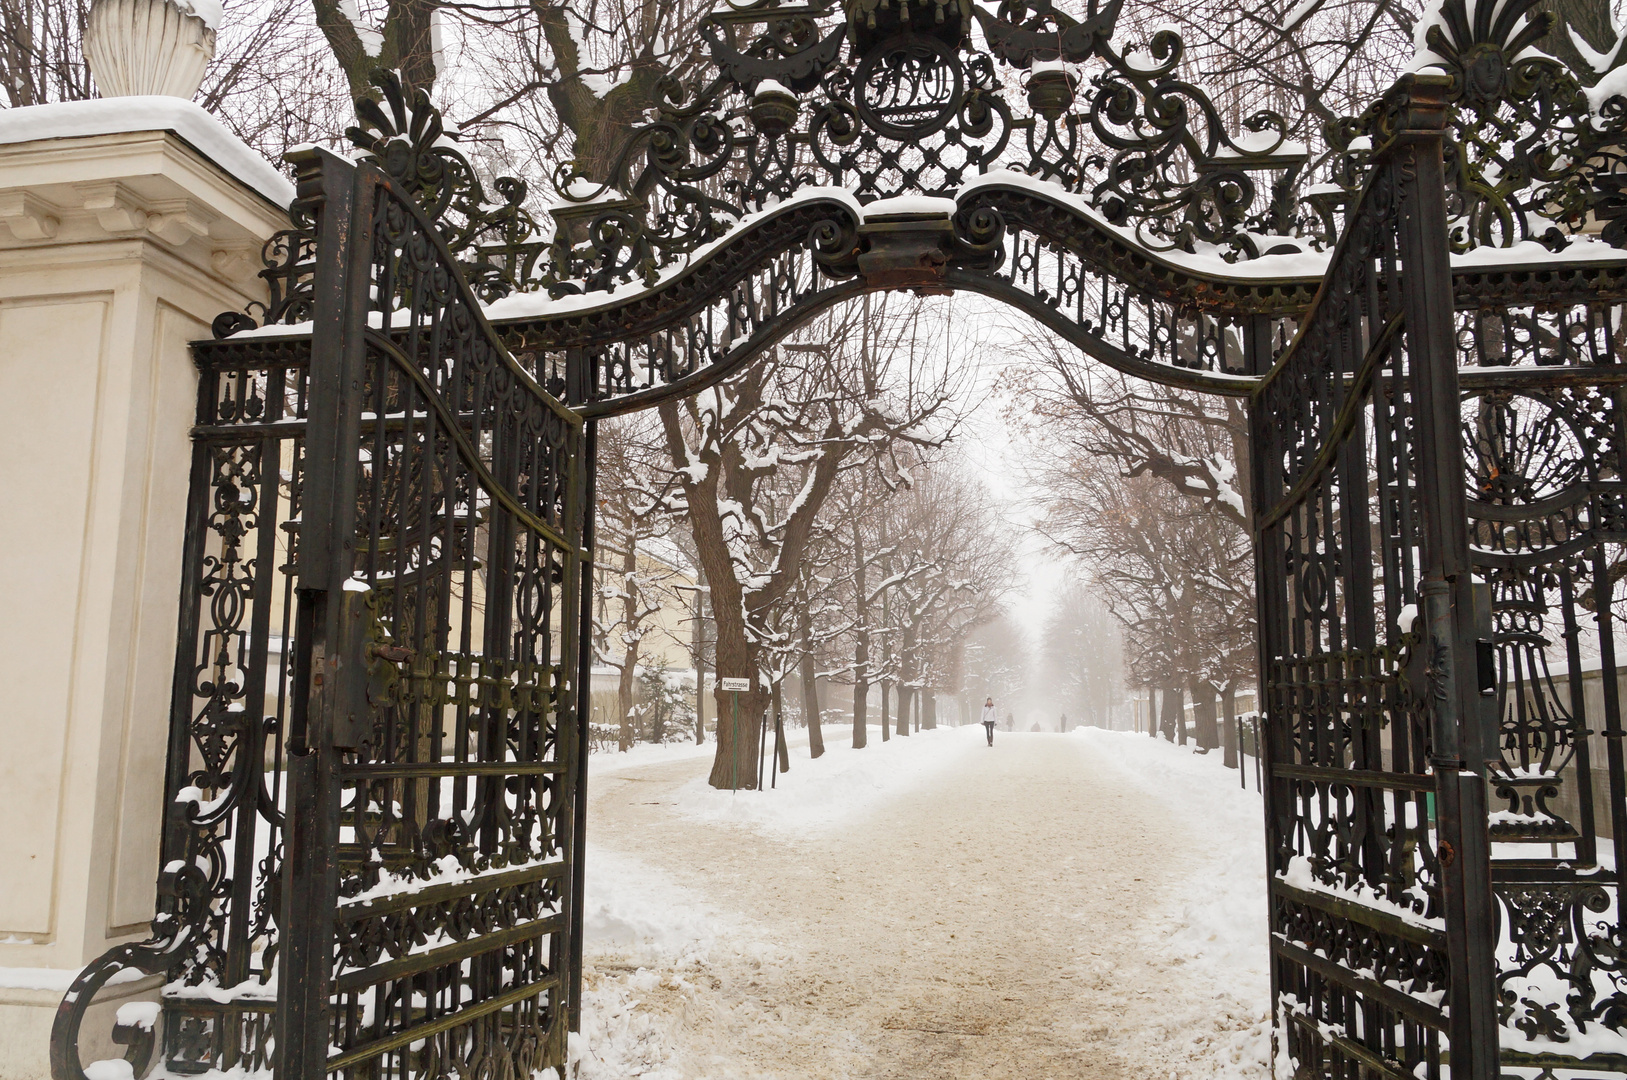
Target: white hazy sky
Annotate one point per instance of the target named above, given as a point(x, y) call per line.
point(980, 329)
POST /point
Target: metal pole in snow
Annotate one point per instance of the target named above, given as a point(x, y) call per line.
point(762, 745)
point(779, 735)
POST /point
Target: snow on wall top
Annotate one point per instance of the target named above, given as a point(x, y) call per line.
point(113, 116)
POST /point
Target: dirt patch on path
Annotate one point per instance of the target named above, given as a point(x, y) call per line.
point(999, 923)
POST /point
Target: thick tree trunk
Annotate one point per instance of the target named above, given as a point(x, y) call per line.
point(905, 696)
point(1228, 735)
point(739, 718)
point(886, 721)
point(1203, 714)
point(810, 696)
point(1172, 724)
point(699, 646)
point(624, 703)
point(929, 709)
point(1592, 22)
point(783, 751)
point(810, 709)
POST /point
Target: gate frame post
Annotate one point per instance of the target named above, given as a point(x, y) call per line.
point(577, 387)
point(1446, 584)
point(328, 187)
point(1270, 635)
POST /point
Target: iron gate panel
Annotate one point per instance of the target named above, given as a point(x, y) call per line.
point(1547, 515)
point(370, 848)
point(431, 777)
point(1363, 586)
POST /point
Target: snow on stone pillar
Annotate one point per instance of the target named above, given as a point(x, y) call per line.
point(139, 47)
point(126, 225)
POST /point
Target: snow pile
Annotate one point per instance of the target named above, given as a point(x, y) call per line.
point(1219, 924)
point(618, 1038)
point(635, 918)
point(648, 973)
point(612, 761)
point(820, 793)
point(635, 910)
point(115, 116)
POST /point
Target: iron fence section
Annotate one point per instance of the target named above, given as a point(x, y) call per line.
point(1362, 571)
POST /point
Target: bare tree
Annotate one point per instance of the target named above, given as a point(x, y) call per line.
point(634, 565)
point(756, 458)
point(950, 570)
point(40, 55)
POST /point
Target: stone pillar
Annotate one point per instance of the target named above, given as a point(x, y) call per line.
point(118, 245)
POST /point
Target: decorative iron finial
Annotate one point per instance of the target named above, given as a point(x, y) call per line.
point(498, 239)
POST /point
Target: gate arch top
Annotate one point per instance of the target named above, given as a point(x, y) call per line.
point(1019, 241)
point(817, 151)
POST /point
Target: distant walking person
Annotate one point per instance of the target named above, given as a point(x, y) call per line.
point(988, 718)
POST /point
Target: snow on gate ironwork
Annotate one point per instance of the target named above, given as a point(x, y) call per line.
point(371, 858)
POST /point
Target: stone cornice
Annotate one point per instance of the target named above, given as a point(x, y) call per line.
point(147, 185)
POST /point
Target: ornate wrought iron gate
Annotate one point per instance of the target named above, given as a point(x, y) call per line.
point(372, 830)
point(372, 845)
point(429, 766)
point(1380, 900)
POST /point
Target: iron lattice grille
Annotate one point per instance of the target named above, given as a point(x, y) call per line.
point(1364, 789)
point(219, 919)
point(1548, 517)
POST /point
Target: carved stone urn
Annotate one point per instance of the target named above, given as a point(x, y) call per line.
point(149, 46)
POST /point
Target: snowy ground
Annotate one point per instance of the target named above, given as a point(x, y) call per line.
point(1083, 905)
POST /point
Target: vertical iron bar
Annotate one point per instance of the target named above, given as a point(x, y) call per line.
point(576, 381)
point(1270, 593)
point(331, 187)
point(1447, 591)
point(1587, 849)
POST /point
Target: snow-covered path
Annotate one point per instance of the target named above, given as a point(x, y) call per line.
point(1057, 906)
